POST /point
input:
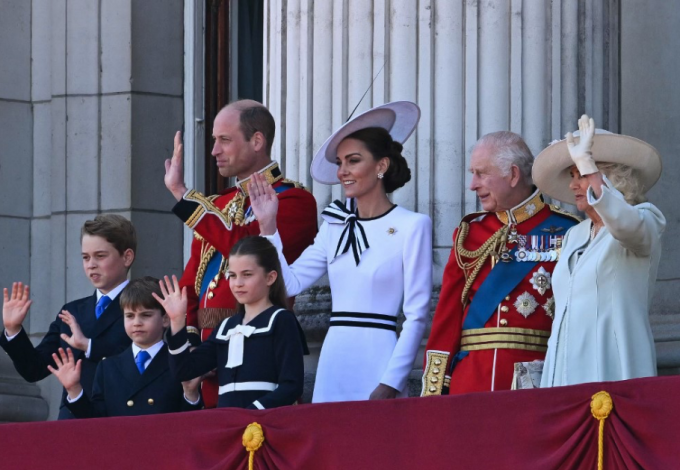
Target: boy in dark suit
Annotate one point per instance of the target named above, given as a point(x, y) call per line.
point(138, 380)
point(93, 326)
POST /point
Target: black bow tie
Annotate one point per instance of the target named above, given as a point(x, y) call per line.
point(353, 235)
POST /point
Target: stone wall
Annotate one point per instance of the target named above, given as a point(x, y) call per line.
point(91, 94)
point(650, 110)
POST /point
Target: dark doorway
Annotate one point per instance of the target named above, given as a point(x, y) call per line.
point(227, 20)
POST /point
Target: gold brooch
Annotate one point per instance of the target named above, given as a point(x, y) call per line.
point(391, 231)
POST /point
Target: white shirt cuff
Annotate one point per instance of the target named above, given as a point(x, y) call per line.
point(192, 402)
point(89, 348)
point(10, 338)
point(68, 399)
point(271, 237)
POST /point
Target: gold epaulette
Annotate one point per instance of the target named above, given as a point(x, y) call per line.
point(559, 210)
point(434, 378)
point(294, 183)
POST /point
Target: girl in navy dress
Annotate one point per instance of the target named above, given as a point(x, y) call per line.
point(258, 353)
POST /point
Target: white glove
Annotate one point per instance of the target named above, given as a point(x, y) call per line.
point(581, 153)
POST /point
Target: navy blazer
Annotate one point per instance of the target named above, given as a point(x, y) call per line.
point(120, 390)
point(106, 332)
point(272, 373)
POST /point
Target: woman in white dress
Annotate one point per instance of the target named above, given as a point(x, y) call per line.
point(604, 280)
point(378, 257)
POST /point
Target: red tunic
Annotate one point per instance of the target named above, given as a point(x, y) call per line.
point(490, 369)
point(215, 232)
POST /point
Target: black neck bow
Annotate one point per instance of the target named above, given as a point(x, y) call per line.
point(353, 234)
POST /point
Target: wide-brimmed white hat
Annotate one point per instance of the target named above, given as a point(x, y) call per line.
point(399, 118)
point(551, 167)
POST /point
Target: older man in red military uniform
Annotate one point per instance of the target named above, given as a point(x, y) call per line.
point(496, 305)
point(243, 133)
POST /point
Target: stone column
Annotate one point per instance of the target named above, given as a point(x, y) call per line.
point(473, 67)
point(649, 111)
point(90, 98)
point(25, 115)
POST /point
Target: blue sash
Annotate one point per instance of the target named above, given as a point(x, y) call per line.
point(210, 272)
point(502, 279)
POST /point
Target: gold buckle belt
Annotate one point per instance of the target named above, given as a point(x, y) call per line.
point(209, 318)
point(504, 338)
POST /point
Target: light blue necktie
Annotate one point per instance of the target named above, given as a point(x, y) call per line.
point(140, 360)
point(103, 302)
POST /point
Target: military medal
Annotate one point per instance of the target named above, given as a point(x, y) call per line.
point(553, 251)
point(521, 253)
point(534, 248)
point(513, 236)
point(545, 256)
point(541, 280)
point(526, 304)
point(549, 307)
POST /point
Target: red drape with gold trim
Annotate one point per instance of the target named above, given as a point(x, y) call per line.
point(537, 429)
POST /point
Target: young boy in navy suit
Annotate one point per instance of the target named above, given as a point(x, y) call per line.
point(138, 380)
point(93, 326)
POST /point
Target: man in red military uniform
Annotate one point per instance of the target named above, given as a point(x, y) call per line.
point(496, 305)
point(243, 133)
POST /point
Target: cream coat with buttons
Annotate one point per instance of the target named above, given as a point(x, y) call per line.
point(601, 330)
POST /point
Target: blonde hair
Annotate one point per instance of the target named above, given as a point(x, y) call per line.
point(626, 180)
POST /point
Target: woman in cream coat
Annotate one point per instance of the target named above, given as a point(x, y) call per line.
point(604, 280)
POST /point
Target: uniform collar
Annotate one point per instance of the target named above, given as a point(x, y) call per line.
point(523, 211)
point(271, 172)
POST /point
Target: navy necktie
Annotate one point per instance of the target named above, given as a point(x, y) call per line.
point(140, 360)
point(103, 302)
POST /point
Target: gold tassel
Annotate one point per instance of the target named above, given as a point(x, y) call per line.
point(253, 438)
point(600, 406)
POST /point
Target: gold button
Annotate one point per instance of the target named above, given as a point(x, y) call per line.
point(150, 401)
point(130, 403)
point(504, 322)
point(435, 370)
point(507, 299)
point(212, 285)
point(434, 380)
point(433, 389)
point(437, 362)
point(210, 295)
point(505, 309)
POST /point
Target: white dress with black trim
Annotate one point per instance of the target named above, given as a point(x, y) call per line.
point(372, 265)
point(259, 365)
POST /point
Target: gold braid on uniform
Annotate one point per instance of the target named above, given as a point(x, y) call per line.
point(295, 184)
point(206, 256)
point(234, 210)
point(479, 256)
point(559, 210)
